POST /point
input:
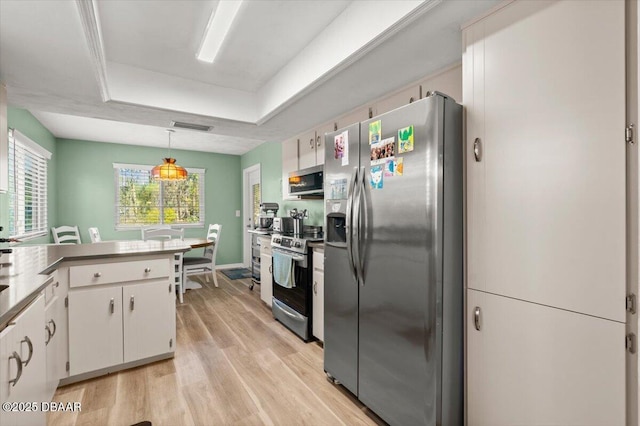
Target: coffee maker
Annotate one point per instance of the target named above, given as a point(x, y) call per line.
point(267, 212)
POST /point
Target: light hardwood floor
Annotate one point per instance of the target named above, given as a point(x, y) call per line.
point(234, 365)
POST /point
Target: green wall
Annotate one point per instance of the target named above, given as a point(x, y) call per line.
point(86, 190)
point(28, 125)
point(269, 156)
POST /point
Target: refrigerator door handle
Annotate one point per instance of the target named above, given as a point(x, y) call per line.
point(349, 228)
point(363, 224)
point(356, 243)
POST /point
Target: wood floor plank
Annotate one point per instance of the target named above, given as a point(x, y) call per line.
point(168, 405)
point(234, 365)
point(132, 403)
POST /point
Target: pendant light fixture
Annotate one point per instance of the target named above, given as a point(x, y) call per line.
point(169, 170)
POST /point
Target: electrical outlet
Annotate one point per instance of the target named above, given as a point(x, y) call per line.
point(237, 213)
point(306, 214)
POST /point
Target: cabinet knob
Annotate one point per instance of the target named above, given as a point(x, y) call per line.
point(97, 274)
point(318, 141)
point(147, 270)
point(19, 365)
point(311, 143)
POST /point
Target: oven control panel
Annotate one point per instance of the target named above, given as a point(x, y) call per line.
point(291, 243)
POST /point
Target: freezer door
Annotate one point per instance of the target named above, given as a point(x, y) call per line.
point(340, 285)
point(400, 301)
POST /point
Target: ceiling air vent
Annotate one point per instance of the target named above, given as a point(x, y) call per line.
point(190, 126)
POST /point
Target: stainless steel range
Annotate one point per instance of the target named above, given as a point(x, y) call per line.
point(292, 283)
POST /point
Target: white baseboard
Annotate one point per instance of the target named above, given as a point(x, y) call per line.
point(230, 266)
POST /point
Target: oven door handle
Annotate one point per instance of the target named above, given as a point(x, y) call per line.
point(284, 310)
point(299, 258)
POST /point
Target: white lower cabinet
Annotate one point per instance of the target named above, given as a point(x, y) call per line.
point(23, 366)
point(530, 364)
point(95, 329)
point(122, 321)
point(318, 294)
point(149, 320)
point(266, 277)
point(113, 325)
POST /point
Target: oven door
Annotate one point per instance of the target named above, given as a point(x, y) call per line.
point(299, 297)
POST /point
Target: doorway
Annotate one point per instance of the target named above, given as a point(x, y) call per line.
point(251, 199)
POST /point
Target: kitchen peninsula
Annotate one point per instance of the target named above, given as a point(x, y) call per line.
point(72, 312)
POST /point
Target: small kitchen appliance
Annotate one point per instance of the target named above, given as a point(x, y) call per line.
point(268, 212)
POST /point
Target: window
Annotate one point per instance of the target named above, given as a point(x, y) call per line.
point(141, 200)
point(27, 187)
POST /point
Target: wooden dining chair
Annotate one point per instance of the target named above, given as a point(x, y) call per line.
point(164, 232)
point(66, 235)
point(206, 263)
point(94, 234)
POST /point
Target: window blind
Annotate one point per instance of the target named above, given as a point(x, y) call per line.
point(27, 187)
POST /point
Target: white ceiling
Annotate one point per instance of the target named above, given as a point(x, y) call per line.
point(121, 71)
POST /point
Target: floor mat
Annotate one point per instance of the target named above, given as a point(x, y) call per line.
point(236, 273)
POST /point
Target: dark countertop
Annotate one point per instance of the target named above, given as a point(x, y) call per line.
point(25, 270)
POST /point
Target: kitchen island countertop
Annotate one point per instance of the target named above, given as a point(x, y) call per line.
point(25, 270)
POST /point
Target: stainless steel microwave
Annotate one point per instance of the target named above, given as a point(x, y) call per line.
point(307, 181)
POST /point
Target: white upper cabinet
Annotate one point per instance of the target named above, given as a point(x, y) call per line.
point(307, 149)
point(402, 98)
point(544, 91)
point(289, 164)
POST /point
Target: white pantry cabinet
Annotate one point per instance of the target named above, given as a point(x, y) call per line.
point(266, 277)
point(534, 365)
point(318, 294)
point(546, 196)
point(545, 170)
point(129, 318)
point(23, 365)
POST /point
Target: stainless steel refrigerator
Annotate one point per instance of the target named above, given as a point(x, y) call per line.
point(393, 262)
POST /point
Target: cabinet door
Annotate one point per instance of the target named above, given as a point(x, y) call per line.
point(546, 200)
point(149, 319)
point(95, 329)
point(53, 346)
point(534, 365)
point(355, 116)
point(318, 303)
point(289, 164)
point(320, 132)
point(27, 339)
point(307, 149)
point(266, 279)
point(399, 99)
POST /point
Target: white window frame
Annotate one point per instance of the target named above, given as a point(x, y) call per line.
point(190, 170)
point(41, 156)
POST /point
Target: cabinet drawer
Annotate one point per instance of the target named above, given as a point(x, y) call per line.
point(107, 273)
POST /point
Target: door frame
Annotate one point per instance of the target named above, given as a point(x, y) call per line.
point(246, 212)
